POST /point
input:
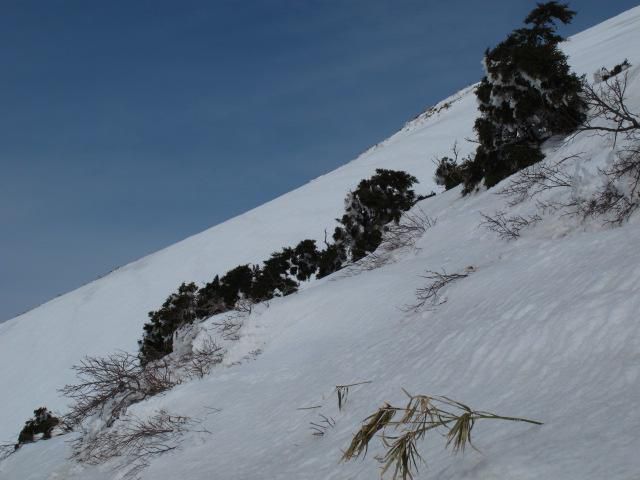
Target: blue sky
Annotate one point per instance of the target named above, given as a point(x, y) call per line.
point(129, 125)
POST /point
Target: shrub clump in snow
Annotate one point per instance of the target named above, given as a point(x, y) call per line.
point(39, 427)
point(375, 203)
point(177, 310)
point(527, 96)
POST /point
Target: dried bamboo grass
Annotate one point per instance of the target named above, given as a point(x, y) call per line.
point(420, 415)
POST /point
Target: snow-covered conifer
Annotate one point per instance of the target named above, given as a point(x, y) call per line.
point(527, 96)
point(373, 204)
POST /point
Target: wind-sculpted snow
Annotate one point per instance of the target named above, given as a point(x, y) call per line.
point(544, 327)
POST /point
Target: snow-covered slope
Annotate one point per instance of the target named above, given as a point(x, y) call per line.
point(546, 327)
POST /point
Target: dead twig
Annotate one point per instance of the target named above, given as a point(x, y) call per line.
point(342, 391)
point(431, 293)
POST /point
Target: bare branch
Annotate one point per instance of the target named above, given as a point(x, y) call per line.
point(404, 234)
point(133, 439)
point(204, 358)
point(7, 449)
point(607, 101)
point(431, 293)
point(620, 196)
point(320, 427)
point(508, 228)
point(108, 385)
point(538, 178)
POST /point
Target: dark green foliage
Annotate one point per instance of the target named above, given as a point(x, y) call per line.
point(177, 310)
point(607, 74)
point(376, 202)
point(209, 301)
point(472, 172)
point(513, 157)
point(274, 278)
point(419, 198)
point(448, 173)
point(527, 96)
point(305, 260)
point(236, 283)
point(280, 274)
point(43, 422)
point(331, 260)
point(544, 13)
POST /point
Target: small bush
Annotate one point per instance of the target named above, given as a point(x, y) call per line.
point(372, 205)
point(179, 309)
point(448, 173)
point(604, 74)
point(107, 386)
point(42, 423)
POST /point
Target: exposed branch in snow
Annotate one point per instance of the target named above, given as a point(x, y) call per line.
point(431, 293)
point(204, 358)
point(619, 197)
point(421, 415)
point(231, 323)
point(607, 101)
point(320, 427)
point(133, 439)
point(7, 449)
point(411, 227)
point(508, 228)
point(342, 391)
point(538, 178)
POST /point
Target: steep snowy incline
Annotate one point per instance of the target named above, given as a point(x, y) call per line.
point(501, 346)
point(544, 327)
point(108, 314)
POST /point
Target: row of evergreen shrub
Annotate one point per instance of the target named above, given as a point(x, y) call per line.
point(375, 202)
point(527, 96)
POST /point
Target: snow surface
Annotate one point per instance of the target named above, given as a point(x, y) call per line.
point(546, 327)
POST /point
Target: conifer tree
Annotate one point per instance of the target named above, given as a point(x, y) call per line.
point(527, 96)
point(372, 205)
